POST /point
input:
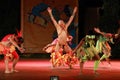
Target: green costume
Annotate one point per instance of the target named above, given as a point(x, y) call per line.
point(103, 46)
point(87, 50)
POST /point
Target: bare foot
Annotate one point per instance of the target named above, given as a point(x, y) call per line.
point(7, 72)
point(14, 70)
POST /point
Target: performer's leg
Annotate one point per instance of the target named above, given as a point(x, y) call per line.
point(82, 60)
point(106, 58)
point(6, 64)
point(81, 64)
point(14, 64)
point(15, 60)
point(96, 64)
point(103, 57)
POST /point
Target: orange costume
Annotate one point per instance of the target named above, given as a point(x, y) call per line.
point(7, 48)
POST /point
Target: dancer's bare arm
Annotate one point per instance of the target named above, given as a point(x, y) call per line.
point(72, 17)
point(98, 31)
point(79, 45)
point(51, 16)
point(15, 43)
point(108, 35)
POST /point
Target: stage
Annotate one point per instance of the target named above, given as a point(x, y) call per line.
point(40, 69)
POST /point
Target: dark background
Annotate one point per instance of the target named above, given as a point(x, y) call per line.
point(10, 19)
point(9, 16)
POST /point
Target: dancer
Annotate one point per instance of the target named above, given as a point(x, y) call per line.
point(7, 47)
point(86, 51)
point(61, 28)
point(57, 58)
point(62, 32)
point(102, 44)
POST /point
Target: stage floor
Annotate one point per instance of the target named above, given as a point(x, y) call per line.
point(40, 69)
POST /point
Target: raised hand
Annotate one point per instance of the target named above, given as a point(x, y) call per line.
point(97, 30)
point(49, 9)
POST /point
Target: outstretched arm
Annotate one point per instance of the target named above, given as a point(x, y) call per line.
point(107, 35)
point(79, 45)
point(15, 43)
point(51, 16)
point(98, 31)
point(72, 17)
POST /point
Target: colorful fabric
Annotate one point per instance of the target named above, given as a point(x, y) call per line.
point(6, 38)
